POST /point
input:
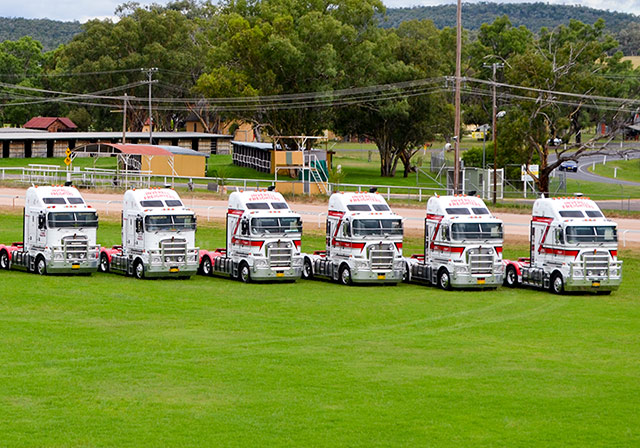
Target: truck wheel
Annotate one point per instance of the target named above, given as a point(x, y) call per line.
point(345, 276)
point(307, 269)
point(511, 277)
point(41, 265)
point(557, 284)
point(138, 270)
point(205, 266)
point(444, 279)
point(4, 260)
point(104, 263)
point(244, 273)
point(406, 277)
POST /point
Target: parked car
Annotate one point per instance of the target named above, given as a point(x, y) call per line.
point(569, 165)
point(554, 141)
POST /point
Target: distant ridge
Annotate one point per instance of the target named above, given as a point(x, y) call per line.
point(50, 33)
point(532, 15)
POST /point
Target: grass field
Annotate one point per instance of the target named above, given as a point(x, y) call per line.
point(627, 169)
point(109, 361)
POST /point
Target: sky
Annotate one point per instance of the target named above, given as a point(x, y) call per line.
point(83, 10)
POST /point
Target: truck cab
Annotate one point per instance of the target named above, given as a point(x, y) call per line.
point(462, 245)
point(158, 236)
point(363, 241)
point(263, 240)
point(59, 233)
point(573, 247)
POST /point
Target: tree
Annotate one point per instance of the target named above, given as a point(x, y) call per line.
point(274, 47)
point(399, 126)
point(114, 53)
point(573, 59)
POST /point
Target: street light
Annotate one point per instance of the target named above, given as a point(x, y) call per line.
point(498, 115)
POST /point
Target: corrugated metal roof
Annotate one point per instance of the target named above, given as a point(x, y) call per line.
point(45, 122)
point(145, 150)
point(105, 135)
point(254, 145)
point(184, 151)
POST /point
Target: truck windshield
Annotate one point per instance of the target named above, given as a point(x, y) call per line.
point(73, 219)
point(377, 227)
point(591, 234)
point(476, 231)
point(170, 223)
point(274, 225)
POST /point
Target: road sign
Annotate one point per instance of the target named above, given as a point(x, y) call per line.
point(533, 169)
point(67, 161)
point(67, 153)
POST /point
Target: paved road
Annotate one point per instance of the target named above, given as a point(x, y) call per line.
point(615, 153)
point(313, 215)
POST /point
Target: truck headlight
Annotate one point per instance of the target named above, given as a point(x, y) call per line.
point(57, 256)
point(155, 260)
point(577, 273)
point(260, 263)
point(360, 263)
point(297, 262)
point(459, 269)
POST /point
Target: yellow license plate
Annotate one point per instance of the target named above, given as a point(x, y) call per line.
point(75, 266)
point(595, 284)
point(174, 270)
point(279, 274)
point(381, 276)
point(481, 281)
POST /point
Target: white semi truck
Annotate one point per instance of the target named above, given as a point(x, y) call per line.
point(263, 239)
point(59, 234)
point(573, 247)
point(462, 245)
point(158, 237)
point(363, 242)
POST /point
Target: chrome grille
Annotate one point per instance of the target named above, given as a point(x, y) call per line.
point(279, 255)
point(596, 265)
point(480, 261)
point(75, 247)
point(381, 257)
point(173, 250)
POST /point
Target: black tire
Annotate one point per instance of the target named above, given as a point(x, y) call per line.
point(307, 269)
point(511, 277)
point(41, 265)
point(557, 283)
point(244, 273)
point(103, 266)
point(406, 277)
point(206, 268)
point(444, 279)
point(345, 276)
point(4, 260)
point(138, 269)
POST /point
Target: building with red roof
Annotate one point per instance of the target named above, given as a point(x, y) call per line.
point(51, 124)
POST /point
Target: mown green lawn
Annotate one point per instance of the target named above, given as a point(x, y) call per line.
point(110, 361)
point(627, 169)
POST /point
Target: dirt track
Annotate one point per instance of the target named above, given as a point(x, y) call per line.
point(313, 215)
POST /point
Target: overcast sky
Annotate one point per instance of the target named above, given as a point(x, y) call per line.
point(82, 10)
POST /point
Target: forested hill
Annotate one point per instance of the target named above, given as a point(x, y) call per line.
point(532, 15)
point(50, 33)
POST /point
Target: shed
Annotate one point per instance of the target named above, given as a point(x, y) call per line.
point(51, 124)
point(157, 160)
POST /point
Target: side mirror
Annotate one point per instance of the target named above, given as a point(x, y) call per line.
point(559, 236)
point(445, 233)
point(347, 228)
point(244, 227)
point(42, 221)
point(139, 224)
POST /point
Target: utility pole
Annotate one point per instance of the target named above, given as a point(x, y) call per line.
point(494, 67)
point(150, 72)
point(124, 121)
point(456, 129)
